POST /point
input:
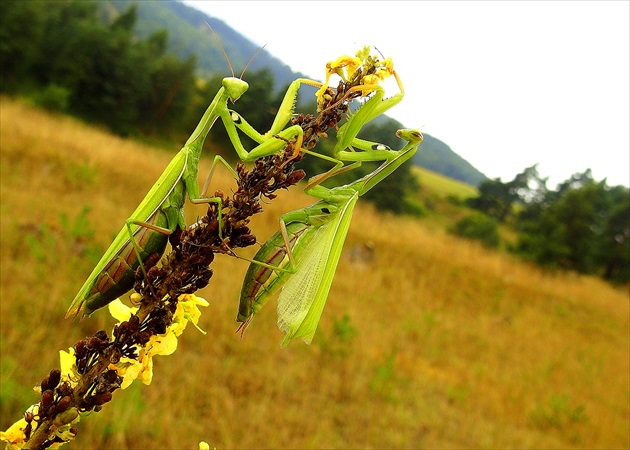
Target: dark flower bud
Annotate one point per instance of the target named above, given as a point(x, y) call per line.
point(102, 398)
point(48, 397)
point(63, 404)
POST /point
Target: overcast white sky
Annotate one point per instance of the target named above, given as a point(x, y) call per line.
point(505, 84)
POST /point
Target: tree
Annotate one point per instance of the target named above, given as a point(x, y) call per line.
point(480, 227)
point(497, 198)
point(21, 32)
point(584, 225)
point(614, 250)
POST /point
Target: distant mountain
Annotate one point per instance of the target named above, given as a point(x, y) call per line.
point(188, 34)
point(435, 155)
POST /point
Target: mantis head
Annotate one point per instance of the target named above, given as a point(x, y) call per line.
point(235, 87)
point(410, 135)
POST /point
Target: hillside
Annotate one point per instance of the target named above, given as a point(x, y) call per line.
point(439, 157)
point(426, 340)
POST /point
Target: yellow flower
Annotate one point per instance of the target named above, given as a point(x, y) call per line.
point(131, 369)
point(142, 368)
point(386, 69)
point(187, 310)
point(68, 364)
point(14, 435)
point(164, 344)
point(128, 369)
point(145, 375)
point(389, 64)
point(369, 80)
point(120, 311)
point(349, 63)
point(204, 446)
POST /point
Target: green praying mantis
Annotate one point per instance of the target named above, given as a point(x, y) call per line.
point(316, 234)
point(305, 252)
point(161, 211)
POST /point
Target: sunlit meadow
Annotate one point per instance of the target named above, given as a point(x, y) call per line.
point(426, 340)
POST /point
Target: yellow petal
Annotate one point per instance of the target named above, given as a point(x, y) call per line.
point(120, 311)
point(146, 375)
point(129, 369)
point(164, 344)
point(14, 434)
point(68, 364)
point(198, 300)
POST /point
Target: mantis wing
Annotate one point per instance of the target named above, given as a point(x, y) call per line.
point(304, 294)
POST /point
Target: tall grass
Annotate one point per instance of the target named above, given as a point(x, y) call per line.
point(430, 341)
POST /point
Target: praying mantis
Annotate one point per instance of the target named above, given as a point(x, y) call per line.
point(161, 211)
point(318, 232)
point(305, 252)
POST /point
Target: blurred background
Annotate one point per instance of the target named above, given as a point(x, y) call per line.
point(467, 310)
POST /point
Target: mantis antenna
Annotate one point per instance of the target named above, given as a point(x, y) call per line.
point(252, 59)
point(216, 36)
point(379, 52)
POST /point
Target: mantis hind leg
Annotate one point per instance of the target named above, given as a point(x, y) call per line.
point(336, 170)
point(136, 246)
point(288, 245)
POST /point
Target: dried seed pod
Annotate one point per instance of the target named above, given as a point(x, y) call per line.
point(54, 378)
point(45, 384)
point(63, 404)
point(102, 398)
point(48, 398)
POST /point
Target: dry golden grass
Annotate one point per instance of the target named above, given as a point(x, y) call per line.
point(445, 344)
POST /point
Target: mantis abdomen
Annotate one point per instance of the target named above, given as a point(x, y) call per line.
point(118, 275)
point(273, 252)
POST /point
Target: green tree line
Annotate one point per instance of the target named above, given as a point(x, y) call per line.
point(582, 225)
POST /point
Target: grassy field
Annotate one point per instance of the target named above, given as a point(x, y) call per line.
point(443, 186)
point(432, 342)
